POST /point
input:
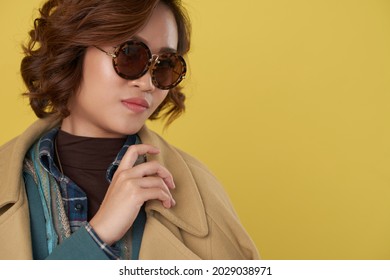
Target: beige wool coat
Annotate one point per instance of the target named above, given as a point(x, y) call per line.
point(203, 224)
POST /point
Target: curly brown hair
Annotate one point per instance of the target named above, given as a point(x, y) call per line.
point(52, 66)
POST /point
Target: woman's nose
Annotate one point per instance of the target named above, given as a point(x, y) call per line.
point(144, 83)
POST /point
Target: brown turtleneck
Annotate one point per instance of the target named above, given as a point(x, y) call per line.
point(85, 161)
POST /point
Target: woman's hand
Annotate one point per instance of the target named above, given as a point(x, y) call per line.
point(130, 188)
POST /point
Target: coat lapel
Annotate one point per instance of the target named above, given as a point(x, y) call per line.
point(189, 213)
point(15, 241)
point(11, 160)
point(158, 243)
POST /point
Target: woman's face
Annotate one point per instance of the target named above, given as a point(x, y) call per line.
point(106, 104)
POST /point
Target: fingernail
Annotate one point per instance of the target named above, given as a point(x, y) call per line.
point(166, 204)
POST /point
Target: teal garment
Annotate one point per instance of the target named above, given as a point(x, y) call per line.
point(37, 220)
point(53, 209)
point(79, 246)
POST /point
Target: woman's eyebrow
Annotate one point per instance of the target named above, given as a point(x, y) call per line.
point(167, 50)
point(162, 50)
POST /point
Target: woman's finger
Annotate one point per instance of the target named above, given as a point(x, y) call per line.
point(152, 168)
point(154, 182)
point(133, 152)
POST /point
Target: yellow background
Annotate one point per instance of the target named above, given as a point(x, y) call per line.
point(288, 104)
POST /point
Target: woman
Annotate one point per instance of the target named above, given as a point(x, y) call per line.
point(88, 180)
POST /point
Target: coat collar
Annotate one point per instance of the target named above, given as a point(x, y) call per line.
point(188, 214)
point(12, 157)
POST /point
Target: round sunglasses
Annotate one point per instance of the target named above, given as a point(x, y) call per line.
point(132, 59)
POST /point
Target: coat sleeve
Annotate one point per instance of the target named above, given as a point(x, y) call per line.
point(79, 246)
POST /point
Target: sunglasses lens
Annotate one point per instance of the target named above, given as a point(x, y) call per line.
point(169, 71)
point(132, 60)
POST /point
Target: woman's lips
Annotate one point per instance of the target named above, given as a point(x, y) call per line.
point(137, 105)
